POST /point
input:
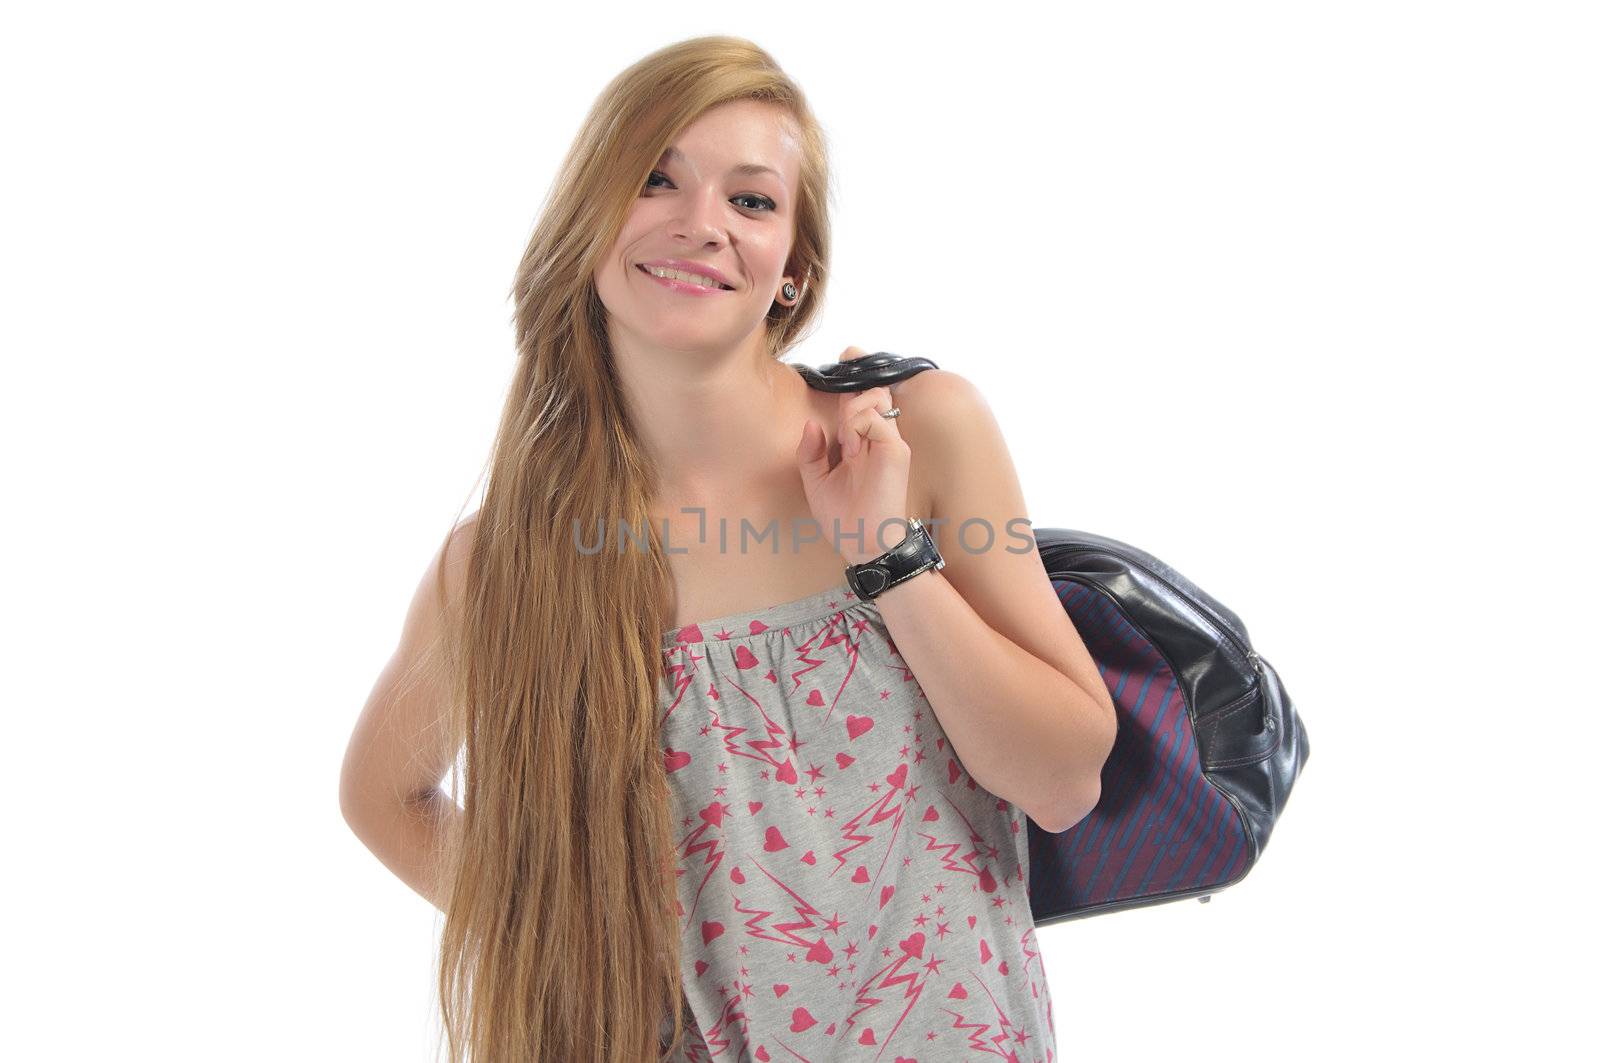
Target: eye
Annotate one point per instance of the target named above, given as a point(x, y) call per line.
point(762, 202)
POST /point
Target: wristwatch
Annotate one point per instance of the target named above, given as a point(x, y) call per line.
point(916, 553)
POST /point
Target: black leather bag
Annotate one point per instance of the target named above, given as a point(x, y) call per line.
point(1208, 741)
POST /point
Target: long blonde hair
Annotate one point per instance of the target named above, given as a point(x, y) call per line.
point(561, 932)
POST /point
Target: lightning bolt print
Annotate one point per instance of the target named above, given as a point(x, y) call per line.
point(846, 891)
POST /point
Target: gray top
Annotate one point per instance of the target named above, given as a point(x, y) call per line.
point(845, 890)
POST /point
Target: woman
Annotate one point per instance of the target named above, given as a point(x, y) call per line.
point(696, 823)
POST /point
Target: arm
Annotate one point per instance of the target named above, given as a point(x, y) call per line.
point(389, 789)
point(406, 837)
point(1002, 665)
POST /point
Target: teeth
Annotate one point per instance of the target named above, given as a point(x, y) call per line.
point(678, 274)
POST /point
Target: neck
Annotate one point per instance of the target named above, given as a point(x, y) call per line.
point(717, 423)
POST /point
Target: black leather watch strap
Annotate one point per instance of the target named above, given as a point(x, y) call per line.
point(916, 553)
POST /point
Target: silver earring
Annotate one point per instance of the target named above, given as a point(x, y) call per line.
point(789, 290)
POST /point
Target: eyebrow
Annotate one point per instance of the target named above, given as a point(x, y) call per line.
point(744, 169)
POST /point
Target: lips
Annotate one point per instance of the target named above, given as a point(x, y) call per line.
point(688, 267)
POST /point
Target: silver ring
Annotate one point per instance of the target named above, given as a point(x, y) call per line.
point(894, 412)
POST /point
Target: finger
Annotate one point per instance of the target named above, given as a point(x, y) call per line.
point(811, 455)
point(869, 426)
point(853, 402)
point(872, 403)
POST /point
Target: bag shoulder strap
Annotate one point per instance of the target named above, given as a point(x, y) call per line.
point(859, 374)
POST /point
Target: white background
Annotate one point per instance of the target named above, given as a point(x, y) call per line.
point(1300, 298)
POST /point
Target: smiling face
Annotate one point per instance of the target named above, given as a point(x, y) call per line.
point(704, 207)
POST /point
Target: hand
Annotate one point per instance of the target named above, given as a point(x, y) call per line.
point(866, 491)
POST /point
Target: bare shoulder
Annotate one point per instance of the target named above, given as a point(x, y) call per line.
point(937, 392)
point(440, 588)
point(400, 744)
point(450, 562)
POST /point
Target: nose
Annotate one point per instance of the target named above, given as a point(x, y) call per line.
point(697, 220)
